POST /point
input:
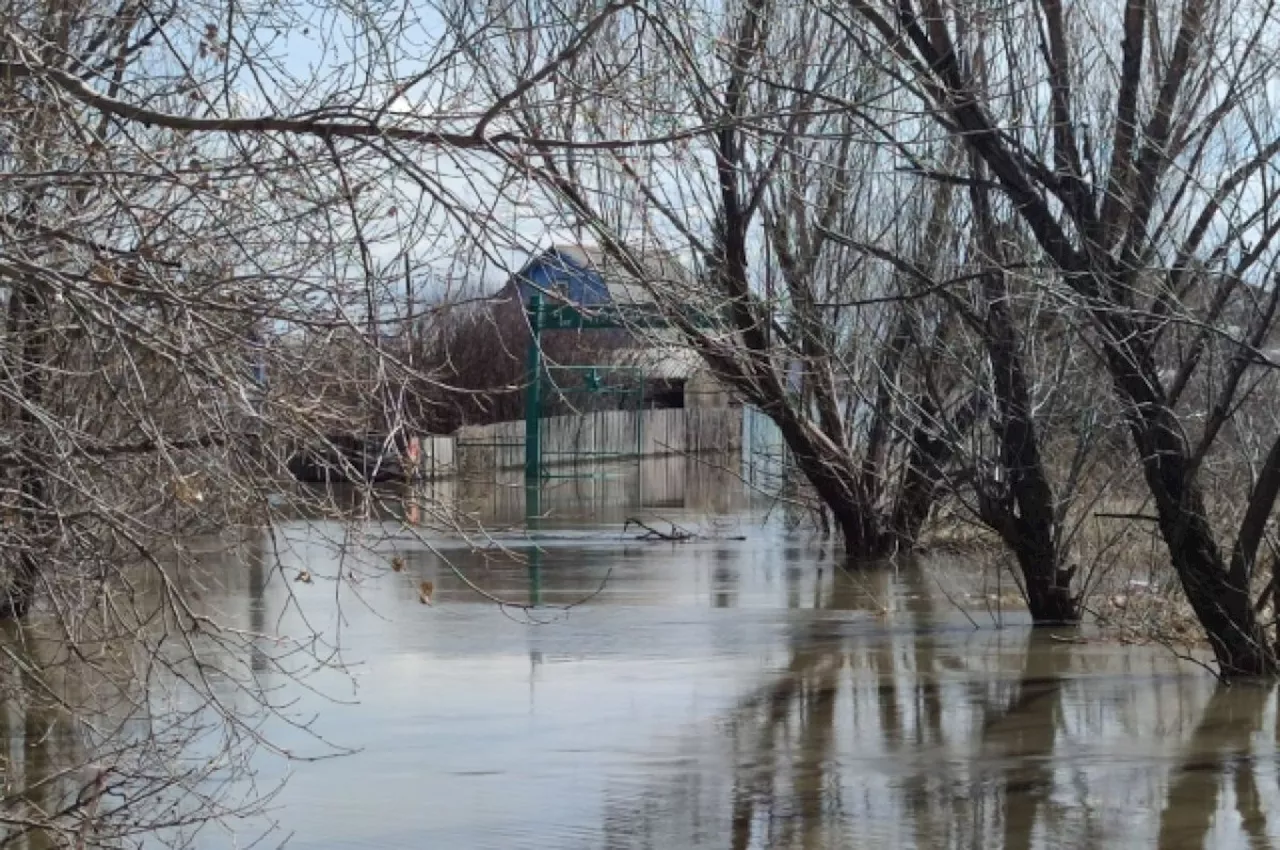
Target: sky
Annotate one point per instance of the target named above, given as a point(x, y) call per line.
point(504, 222)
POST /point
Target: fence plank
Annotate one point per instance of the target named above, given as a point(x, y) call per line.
point(582, 438)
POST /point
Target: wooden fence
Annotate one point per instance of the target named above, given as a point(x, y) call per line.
point(593, 437)
point(436, 456)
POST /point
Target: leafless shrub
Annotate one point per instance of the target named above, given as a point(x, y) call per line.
point(204, 213)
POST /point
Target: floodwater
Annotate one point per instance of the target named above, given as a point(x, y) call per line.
point(725, 693)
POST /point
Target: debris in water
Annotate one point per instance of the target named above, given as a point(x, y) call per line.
point(186, 489)
point(676, 535)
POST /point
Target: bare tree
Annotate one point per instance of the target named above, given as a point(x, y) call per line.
point(835, 276)
point(204, 211)
point(773, 209)
point(1141, 169)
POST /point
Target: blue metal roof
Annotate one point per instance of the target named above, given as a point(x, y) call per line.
point(558, 273)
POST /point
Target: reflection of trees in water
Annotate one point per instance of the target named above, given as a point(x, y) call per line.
point(926, 699)
point(897, 733)
point(1021, 737)
point(785, 788)
point(147, 731)
point(1219, 751)
point(782, 796)
point(256, 563)
point(724, 580)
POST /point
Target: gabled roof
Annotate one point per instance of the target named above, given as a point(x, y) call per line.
point(623, 286)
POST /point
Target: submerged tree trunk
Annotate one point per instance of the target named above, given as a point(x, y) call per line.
point(1222, 602)
point(1023, 513)
point(834, 479)
point(871, 527)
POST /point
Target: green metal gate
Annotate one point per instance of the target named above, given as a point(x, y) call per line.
point(583, 386)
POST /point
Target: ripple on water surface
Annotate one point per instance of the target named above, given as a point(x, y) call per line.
point(743, 694)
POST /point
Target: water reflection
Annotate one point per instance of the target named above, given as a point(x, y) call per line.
point(756, 695)
point(595, 494)
point(42, 762)
point(1220, 760)
point(1021, 735)
point(824, 757)
point(709, 488)
point(726, 694)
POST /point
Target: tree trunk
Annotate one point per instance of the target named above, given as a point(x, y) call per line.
point(1048, 587)
point(925, 471)
point(28, 326)
point(835, 481)
point(1222, 605)
point(1028, 525)
point(1025, 516)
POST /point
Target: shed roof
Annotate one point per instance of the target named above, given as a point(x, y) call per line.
point(663, 363)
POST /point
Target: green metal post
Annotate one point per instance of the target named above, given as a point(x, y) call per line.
point(533, 411)
point(535, 575)
point(639, 414)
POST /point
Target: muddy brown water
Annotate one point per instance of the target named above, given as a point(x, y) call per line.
point(727, 694)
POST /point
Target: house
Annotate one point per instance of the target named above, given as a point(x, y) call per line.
point(590, 277)
point(674, 376)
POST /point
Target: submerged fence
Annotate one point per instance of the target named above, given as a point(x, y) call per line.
point(481, 451)
point(590, 437)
